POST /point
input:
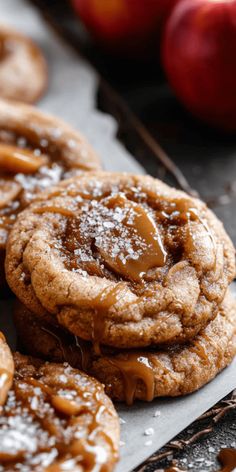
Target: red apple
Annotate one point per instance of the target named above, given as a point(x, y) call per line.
point(123, 25)
point(199, 57)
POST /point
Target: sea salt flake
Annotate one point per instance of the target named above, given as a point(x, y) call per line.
point(37, 152)
point(209, 463)
point(149, 432)
point(71, 143)
point(122, 421)
point(211, 449)
point(43, 142)
point(56, 132)
point(34, 403)
point(21, 142)
point(63, 378)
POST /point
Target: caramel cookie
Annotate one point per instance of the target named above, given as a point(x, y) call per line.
point(36, 152)
point(6, 369)
point(57, 418)
point(121, 260)
point(23, 69)
point(135, 374)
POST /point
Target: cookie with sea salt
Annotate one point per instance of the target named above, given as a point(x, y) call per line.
point(36, 152)
point(6, 369)
point(23, 68)
point(56, 419)
point(120, 260)
point(130, 375)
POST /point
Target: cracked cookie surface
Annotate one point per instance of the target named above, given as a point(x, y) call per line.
point(36, 152)
point(6, 369)
point(138, 374)
point(121, 260)
point(23, 68)
point(55, 419)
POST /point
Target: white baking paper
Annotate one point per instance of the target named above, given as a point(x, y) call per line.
point(72, 96)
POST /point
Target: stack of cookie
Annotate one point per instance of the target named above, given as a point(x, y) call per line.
point(53, 417)
point(127, 279)
point(115, 274)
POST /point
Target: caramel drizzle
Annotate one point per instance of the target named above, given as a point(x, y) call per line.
point(133, 368)
point(17, 160)
point(6, 378)
point(200, 350)
point(142, 226)
point(185, 209)
point(80, 451)
point(58, 339)
point(227, 458)
point(67, 350)
point(85, 352)
point(102, 304)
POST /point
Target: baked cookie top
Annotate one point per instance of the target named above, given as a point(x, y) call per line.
point(130, 375)
point(36, 152)
point(55, 419)
point(121, 260)
point(23, 69)
point(6, 369)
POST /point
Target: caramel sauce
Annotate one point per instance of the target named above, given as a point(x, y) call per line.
point(140, 228)
point(70, 346)
point(185, 209)
point(200, 350)
point(133, 368)
point(102, 304)
point(54, 414)
point(85, 352)
point(23, 174)
point(17, 160)
point(5, 382)
point(227, 458)
point(188, 213)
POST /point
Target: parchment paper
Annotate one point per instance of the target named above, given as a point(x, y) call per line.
point(72, 95)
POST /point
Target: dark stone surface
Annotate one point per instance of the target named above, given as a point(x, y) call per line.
point(201, 456)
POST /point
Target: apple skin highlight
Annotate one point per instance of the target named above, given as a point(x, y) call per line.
point(199, 58)
point(124, 26)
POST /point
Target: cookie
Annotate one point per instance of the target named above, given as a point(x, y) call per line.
point(6, 369)
point(57, 418)
point(121, 260)
point(138, 374)
point(36, 152)
point(23, 69)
